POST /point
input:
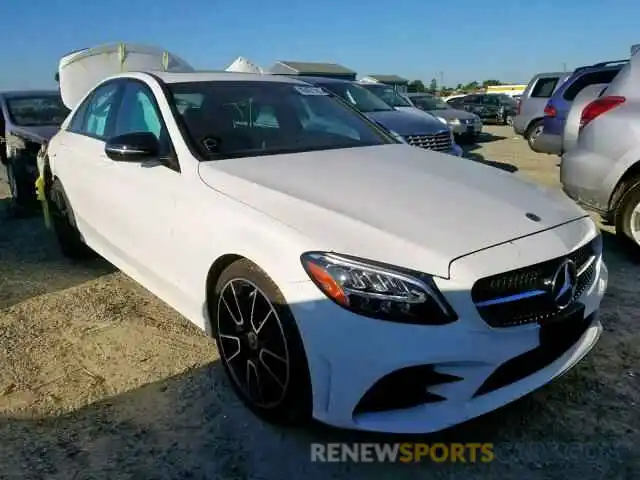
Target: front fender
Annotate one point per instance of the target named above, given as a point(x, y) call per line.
point(223, 226)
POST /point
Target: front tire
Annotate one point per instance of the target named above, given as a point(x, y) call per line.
point(627, 216)
point(64, 225)
point(260, 346)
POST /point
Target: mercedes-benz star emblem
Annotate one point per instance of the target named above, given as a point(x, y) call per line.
point(564, 284)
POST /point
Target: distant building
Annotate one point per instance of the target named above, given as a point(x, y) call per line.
point(511, 90)
point(313, 69)
point(400, 84)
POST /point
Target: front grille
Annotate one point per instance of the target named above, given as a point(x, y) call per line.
point(522, 296)
point(437, 141)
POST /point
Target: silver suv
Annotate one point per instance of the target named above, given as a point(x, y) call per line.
point(602, 172)
point(528, 120)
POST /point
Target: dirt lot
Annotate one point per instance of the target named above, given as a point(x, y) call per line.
point(100, 379)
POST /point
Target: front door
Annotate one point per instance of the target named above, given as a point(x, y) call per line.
point(144, 195)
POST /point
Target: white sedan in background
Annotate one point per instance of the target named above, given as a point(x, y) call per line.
point(352, 278)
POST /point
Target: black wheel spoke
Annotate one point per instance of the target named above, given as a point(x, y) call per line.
point(229, 305)
point(231, 346)
point(275, 365)
point(254, 388)
point(240, 318)
point(252, 343)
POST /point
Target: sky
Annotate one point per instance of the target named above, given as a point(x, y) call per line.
point(465, 40)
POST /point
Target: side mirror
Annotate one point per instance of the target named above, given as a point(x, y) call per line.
point(133, 147)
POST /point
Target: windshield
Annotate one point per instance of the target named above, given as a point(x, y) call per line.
point(34, 111)
point(359, 97)
point(388, 95)
point(429, 103)
point(240, 119)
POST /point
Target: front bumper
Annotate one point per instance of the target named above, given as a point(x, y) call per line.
point(348, 354)
point(548, 143)
point(472, 129)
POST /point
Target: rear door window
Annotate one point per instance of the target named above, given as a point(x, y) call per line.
point(591, 78)
point(544, 87)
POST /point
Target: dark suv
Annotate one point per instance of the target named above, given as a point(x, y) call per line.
point(490, 107)
point(557, 108)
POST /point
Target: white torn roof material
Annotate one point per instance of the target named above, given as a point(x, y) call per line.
point(80, 71)
point(243, 65)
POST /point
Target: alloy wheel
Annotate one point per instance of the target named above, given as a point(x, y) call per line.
point(634, 224)
point(252, 343)
point(535, 133)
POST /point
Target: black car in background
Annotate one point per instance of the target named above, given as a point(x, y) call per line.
point(28, 119)
point(490, 107)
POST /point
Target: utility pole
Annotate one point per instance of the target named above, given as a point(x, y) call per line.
point(564, 67)
point(441, 80)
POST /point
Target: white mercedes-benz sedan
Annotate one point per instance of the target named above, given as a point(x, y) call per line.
point(344, 276)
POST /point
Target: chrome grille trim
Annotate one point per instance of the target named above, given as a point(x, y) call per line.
point(438, 141)
point(521, 295)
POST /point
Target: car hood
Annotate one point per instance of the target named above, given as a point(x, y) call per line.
point(37, 133)
point(452, 113)
point(393, 203)
point(407, 123)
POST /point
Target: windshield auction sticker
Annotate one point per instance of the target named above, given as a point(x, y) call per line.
point(310, 90)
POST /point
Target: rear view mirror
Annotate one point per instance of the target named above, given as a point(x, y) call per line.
point(133, 147)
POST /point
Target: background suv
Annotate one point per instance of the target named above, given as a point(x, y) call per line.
point(490, 107)
point(558, 106)
point(602, 171)
point(530, 111)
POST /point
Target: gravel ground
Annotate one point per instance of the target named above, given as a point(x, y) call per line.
point(100, 379)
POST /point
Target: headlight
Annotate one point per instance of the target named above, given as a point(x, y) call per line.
point(378, 290)
point(454, 121)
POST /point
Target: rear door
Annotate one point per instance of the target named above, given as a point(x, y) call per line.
point(81, 164)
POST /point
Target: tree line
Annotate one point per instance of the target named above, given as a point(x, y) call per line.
point(417, 86)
